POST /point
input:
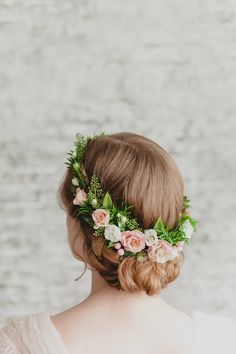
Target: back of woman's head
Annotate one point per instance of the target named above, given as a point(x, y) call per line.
point(139, 172)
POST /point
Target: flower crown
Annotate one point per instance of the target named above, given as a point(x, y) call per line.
point(121, 231)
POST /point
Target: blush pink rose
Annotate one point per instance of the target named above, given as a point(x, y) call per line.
point(101, 217)
point(133, 240)
point(158, 254)
point(172, 250)
point(162, 252)
point(80, 196)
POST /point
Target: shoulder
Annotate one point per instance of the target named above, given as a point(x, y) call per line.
point(18, 333)
point(32, 333)
point(6, 344)
point(214, 333)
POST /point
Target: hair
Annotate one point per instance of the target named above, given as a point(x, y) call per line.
point(138, 171)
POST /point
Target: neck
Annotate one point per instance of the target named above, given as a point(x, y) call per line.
point(100, 289)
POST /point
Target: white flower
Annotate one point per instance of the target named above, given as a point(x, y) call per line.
point(112, 233)
point(162, 256)
point(187, 228)
point(151, 238)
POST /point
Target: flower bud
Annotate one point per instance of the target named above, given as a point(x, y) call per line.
point(76, 166)
point(75, 182)
point(94, 202)
point(123, 219)
point(120, 251)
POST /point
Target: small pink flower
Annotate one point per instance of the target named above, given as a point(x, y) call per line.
point(101, 217)
point(80, 197)
point(133, 241)
point(117, 245)
point(120, 251)
point(162, 252)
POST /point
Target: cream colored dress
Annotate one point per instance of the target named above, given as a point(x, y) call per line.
point(36, 334)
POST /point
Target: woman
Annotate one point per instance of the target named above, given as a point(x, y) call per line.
point(128, 221)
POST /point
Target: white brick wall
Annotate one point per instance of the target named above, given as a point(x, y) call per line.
point(165, 69)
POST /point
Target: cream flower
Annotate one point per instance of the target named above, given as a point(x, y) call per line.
point(151, 238)
point(187, 228)
point(160, 255)
point(112, 233)
point(162, 252)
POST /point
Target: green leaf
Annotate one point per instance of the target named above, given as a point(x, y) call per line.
point(110, 244)
point(186, 202)
point(85, 218)
point(194, 223)
point(107, 201)
point(159, 225)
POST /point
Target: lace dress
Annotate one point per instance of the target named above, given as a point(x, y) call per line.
point(36, 334)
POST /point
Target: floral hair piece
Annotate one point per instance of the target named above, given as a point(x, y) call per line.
point(121, 231)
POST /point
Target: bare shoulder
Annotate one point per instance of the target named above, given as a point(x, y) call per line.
point(88, 328)
point(73, 327)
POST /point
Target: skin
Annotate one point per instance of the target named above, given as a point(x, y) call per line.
point(110, 321)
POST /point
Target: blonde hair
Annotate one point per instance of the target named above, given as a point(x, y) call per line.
point(138, 171)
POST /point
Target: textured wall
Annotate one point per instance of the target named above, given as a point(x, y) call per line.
point(165, 69)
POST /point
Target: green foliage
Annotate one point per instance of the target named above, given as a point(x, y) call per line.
point(132, 224)
point(110, 244)
point(186, 202)
point(107, 201)
point(76, 158)
point(85, 209)
point(95, 192)
point(99, 231)
point(176, 234)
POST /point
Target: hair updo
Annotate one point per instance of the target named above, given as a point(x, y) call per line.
point(138, 171)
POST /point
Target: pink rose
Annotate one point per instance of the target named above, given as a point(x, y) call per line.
point(101, 217)
point(133, 241)
point(165, 245)
point(172, 250)
point(158, 254)
point(80, 196)
point(162, 252)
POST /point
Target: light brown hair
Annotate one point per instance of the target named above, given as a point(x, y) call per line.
point(138, 171)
